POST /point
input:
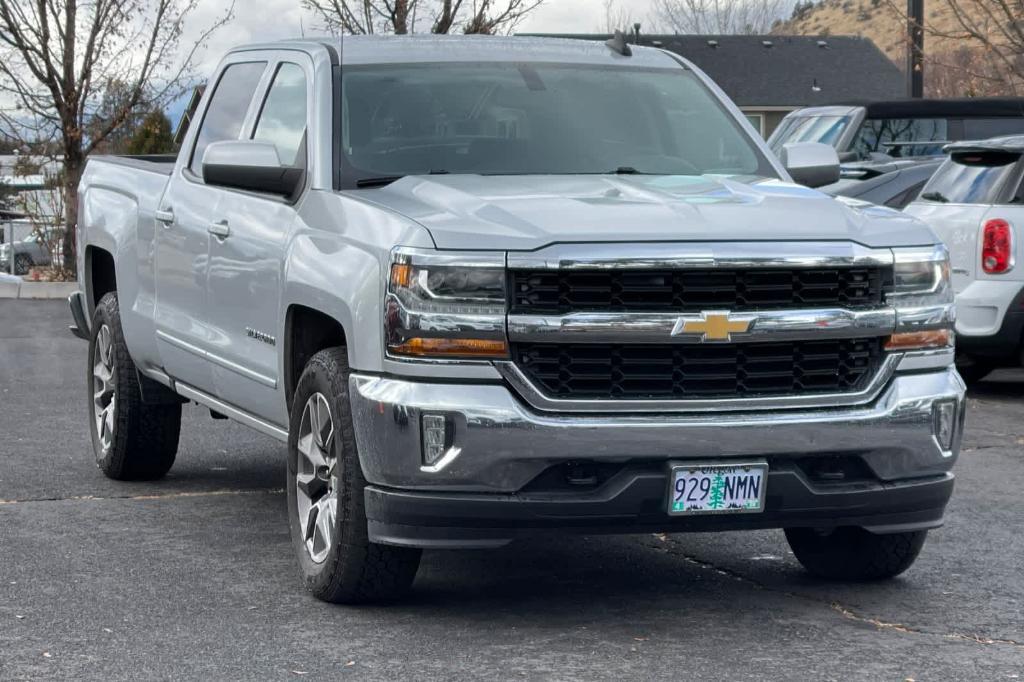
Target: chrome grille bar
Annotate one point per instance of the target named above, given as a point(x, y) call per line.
point(766, 326)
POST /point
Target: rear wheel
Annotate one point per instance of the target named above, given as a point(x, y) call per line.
point(325, 486)
point(854, 553)
point(131, 440)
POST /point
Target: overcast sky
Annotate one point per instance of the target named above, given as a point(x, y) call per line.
point(276, 19)
point(257, 20)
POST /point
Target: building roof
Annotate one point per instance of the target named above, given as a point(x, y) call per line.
point(785, 71)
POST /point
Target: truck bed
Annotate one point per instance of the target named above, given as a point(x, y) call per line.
point(162, 164)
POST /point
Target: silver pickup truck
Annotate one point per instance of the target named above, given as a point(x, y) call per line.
point(491, 287)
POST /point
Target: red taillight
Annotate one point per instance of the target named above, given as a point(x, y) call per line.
point(996, 246)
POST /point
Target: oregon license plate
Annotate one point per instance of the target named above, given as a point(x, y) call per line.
point(702, 488)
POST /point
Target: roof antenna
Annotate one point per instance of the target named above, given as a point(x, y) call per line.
point(617, 43)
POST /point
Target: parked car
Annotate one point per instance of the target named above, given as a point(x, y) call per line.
point(975, 203)
point(900, 128)
point(479, 301)
point(892, 183)
point(27, 253)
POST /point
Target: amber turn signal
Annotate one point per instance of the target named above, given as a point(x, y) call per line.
point(936, 338)
point(476, 348)
point(401, 275)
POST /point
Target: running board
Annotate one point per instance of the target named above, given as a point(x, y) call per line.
point(186, 391)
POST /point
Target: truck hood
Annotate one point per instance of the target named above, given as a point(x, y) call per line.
point(528, 212)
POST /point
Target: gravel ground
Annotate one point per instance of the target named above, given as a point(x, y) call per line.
point(193, 576)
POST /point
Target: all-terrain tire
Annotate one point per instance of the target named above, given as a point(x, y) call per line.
point(351, 569)
point(141, 439)
point(22, 264)
point(854, 554)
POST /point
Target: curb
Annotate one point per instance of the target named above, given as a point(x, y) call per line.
point(10, 288)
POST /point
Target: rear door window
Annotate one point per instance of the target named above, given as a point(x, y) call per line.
point(228, 105)
point(971, 178)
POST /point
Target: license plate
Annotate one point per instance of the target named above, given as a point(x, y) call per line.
point(702, 488)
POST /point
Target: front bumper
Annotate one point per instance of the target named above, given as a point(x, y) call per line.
point(489, 487)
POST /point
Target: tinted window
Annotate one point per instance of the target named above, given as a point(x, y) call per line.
point(900, 201)
point(984, 128)
point(970, 178)
point(892, 136)
point(824, 129)
point(538, 119)
point(226, 113)
point(283, 119)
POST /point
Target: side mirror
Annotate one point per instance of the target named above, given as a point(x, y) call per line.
point(811, 163)
point(246, 164)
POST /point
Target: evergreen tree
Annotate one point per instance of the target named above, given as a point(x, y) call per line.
point(716, 500)
point(154, 136)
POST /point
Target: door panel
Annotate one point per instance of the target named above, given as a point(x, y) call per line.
point(244, 297)
point(181, 261)
point(184, 335)
point(246, 261)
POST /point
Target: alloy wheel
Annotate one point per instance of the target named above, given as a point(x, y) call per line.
point(316, 477)
point(104, 391)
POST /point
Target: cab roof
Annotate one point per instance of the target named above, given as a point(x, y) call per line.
point(377, 49)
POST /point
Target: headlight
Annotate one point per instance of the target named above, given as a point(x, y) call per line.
point(446, 306)
point(923, 297)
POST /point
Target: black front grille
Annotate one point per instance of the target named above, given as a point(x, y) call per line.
point(734, 370)
point(562, 291)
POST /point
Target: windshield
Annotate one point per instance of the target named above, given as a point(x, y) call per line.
point(971, 178)
point(503, 118)
point(825, 129)
point(900, 137)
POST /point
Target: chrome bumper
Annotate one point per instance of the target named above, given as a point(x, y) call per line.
point(497, 444)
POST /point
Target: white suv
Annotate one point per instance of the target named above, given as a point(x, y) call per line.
point(975, 203)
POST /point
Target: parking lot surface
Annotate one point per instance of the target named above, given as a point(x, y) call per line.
point(194, 576)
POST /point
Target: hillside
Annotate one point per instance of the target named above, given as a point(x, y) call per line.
point(949, 61)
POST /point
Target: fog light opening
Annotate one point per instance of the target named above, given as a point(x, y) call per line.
point(436, 438)
point(944, 426)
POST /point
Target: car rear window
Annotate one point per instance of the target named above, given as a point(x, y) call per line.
point(971, 178)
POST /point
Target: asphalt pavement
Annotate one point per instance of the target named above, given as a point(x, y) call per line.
point(193, 576)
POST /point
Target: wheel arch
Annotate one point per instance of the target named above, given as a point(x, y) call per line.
point(100, 274)
point(307, 331)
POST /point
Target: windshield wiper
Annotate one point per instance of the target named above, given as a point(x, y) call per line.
point(626, 170)
point(383, 180)
point(935, 196)
point(378, 181)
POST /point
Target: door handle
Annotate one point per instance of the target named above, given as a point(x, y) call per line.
point(219, 229)
point(165, 216)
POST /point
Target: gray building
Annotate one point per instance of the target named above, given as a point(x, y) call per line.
point(768, 76)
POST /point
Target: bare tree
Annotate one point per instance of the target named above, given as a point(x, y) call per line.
point(721, 17)
point(993, 29)
point(58, 58)
point(616, 17)
point(411, 16)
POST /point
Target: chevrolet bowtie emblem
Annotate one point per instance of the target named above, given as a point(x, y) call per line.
point(713, 326)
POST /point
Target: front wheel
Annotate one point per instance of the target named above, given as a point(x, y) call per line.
point(325, 486)
point(853, 553)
